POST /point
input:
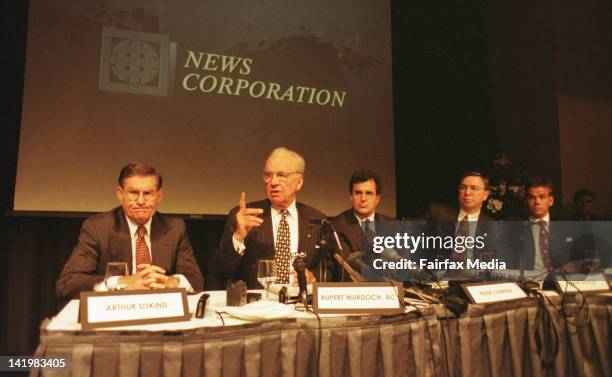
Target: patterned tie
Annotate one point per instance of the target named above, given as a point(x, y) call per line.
point(463, 230)
point(544, 239)
point(283, 249)
point(142, 250)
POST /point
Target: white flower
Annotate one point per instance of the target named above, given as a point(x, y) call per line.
point(494, 205)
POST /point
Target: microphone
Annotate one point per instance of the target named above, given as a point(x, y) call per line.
point(300, 268)
point(355, 260)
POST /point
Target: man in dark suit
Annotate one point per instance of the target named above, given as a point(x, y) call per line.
point(276, 228)
point(154, 247)
point(471, 223)
point(355, 224)
point(539, 244)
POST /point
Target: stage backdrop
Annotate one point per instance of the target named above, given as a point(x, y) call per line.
point(203, 90)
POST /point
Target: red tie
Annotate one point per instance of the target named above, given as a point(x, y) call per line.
point(142, 250)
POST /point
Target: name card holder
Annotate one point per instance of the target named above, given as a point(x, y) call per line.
point(486, 293)
point(137, 307)
point(358, 298)
point(582, 283)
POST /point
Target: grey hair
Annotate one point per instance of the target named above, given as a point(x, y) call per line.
point(299, 160)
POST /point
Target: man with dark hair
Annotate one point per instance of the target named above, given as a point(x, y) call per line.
point(354, 224)
point(469, 224)
point(154, 247)
point(276, 228)
point(584, 200)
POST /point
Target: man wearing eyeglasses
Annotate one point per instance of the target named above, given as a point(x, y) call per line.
point(154, 247)
point(275, 229)
point(471, 222)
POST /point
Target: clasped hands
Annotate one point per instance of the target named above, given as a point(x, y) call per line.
point(149, 277)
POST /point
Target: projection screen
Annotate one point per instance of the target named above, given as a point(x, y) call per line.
point(203, 90)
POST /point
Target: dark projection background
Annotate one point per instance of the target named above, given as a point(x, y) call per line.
point(470, 80)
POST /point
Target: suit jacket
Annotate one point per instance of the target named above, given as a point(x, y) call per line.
point(349, 231)
point(521, 244)
point(228, 265)
point(105, 237)
point(486, 227)
point(351, 238)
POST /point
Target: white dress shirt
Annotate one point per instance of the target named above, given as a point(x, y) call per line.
point(361, 221)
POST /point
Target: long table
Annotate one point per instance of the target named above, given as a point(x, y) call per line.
point(487, 340)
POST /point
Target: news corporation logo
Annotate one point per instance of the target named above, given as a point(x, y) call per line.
point(136, 62)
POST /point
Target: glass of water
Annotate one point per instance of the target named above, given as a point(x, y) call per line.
point(114, 271)
point(266, 273)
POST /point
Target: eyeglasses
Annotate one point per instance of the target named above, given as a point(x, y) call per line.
point(281, 176)
point(135, 195)
point(464, 188)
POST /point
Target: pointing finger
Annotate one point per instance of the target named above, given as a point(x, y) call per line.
point(242, 201)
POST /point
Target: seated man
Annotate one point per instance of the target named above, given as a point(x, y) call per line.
point(276, 228)
point(538, 244)
point(155, 247)
point(354, 224)
point(584, 202)
point(470, 222)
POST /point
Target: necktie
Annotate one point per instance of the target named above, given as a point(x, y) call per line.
point(283, 249)
point(463, 230)
point(142, 250)
point(544, 239)
point(368, 233)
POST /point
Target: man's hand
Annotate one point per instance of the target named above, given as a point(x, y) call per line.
point(149, 277)
point(310, 278)
point(246, 219)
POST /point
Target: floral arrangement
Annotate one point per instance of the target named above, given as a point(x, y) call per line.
point(507, 185)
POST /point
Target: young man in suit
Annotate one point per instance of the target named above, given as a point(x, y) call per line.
point(540, 245)
point(154, 247)
point(275, 228)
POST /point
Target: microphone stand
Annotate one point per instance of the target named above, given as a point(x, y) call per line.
point(354, 275)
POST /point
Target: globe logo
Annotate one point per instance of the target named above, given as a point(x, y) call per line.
point(135, 62)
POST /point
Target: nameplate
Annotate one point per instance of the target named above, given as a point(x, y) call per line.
point(582, 283)
point(358, 298)
point(123, 308)
point(485, 293)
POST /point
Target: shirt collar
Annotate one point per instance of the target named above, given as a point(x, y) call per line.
point(545, 218)
point(292, 211)
point(134, 227)
point(471, 216)
point(360, 220)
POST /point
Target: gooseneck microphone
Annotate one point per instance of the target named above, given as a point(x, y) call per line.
point(326, 226)
point(300, 268)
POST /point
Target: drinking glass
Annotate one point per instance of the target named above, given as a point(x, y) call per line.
point(266, 273)
point(115, 270)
